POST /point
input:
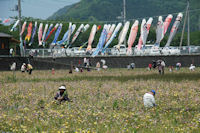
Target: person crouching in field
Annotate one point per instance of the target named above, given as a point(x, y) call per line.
point(178, 66)
point(192, 67)
point(62, 95)
point(149, 100)
point(29, 68)
point(23, 68)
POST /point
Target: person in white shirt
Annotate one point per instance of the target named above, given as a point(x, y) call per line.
point(105, 67)
point(98, 65)
point(178, 66)
point(13, 66)
point(85, 62)
point(149, 100)
point(76, 69)
point(23, 68)
point(161, 66)
point(132, 65)
point(192, 67)
point(11, 51)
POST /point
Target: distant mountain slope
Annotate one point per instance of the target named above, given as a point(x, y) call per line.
point(107, 10)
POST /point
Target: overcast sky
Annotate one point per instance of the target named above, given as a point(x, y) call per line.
point(33, 8)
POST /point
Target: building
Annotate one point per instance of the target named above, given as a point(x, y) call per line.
point(5, 41)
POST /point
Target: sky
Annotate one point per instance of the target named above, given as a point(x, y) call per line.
point(33, 8)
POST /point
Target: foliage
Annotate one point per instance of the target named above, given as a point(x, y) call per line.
point(109, 10)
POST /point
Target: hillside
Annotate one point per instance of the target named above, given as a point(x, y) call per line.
point(109, 10)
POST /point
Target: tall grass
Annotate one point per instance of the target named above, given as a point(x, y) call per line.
point(105, 101)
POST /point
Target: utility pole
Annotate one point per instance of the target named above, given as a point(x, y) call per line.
point(188, 39)
point(185, 21)
point(124, 15)
point(124, 7)
point(20, 26)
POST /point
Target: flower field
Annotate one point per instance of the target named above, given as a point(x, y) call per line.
point(102, 101)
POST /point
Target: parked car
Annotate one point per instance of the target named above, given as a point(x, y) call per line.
point(138, 52)
point(170, 51)
point(190, 49)
point(77, 51)
point(155, 50)
point(107, 52)
point(147, 50)
point(68, 51)
point(121, 51)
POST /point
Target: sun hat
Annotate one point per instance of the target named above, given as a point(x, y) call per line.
point(62, 88)
point(153, 91)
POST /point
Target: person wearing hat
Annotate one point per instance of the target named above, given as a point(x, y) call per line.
point(149, 100)
point(62, 94)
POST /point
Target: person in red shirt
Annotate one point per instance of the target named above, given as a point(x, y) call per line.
point(150, 66)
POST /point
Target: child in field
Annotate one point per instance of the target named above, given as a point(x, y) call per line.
point(178, 66)
point(171, 68)
point(85, 62)
point(149, 67)
point(13, 66)
point(98, 65)
point(192, 67)
point(149, 100)
point(76, 69)
point(23, 68)
point(62, 95)
point(132, 65)
point(154, 64)
point(81, 70)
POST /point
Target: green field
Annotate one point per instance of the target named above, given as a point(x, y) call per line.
point(105, 101)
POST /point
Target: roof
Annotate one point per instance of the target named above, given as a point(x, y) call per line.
point(13, 40)
point(5, 35)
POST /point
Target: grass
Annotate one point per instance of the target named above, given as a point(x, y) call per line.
point(105, 101)
point(109, 75)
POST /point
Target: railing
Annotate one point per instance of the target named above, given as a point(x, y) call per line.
point(109, 52)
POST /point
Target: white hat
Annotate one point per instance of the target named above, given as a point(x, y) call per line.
point(62, 88)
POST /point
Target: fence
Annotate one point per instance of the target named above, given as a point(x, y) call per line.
point(75, 52)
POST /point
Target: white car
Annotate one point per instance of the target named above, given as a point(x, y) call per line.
point(190, 49)
point(77, 51)
point(56, 53)
point(68, 51)
point(155, 50)
point(147, 49)
point(138, 52)
point(170, 51)
point(121, 51)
